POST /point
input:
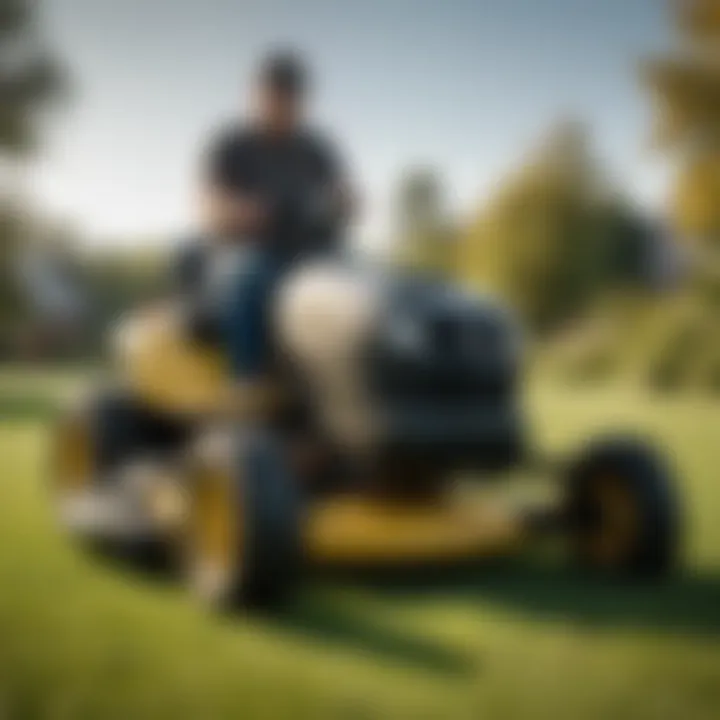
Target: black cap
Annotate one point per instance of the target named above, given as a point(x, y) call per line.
point(286, 72)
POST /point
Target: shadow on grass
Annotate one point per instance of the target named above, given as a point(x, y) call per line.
point(331, 620)
point(322, 616)
point(687, 604)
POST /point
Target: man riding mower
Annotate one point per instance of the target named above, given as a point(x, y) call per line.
point(329, 425)
point(387, 389)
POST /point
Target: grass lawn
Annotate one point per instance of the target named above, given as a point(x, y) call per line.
point(81, 638)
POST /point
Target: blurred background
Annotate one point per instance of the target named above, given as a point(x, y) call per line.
point(563, 154)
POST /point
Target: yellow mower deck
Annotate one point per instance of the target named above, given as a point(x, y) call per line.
point(357, 530)
point(343, 529)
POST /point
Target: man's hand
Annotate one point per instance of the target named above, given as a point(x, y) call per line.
point(232, 215)
point(343, 202)
point(346, 201)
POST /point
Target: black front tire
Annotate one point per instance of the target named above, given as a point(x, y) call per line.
point(622, 509)
point(259, 500)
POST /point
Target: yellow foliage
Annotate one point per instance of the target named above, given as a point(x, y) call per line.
point(669, 342)
point(699, 18)
point(697, 197)
point(687, 92)
point(687, 96)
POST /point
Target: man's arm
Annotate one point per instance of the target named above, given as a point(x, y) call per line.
point(231, 214)
point(341, 189)
point(229, 207)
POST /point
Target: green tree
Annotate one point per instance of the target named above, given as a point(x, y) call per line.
point(686, 89)
point(30, 78)
point(542, 240)
point(423, 233)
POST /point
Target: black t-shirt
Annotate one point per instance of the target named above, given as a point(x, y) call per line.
point(291, 175)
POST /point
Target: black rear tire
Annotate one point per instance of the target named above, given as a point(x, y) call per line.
point(114, 428)
point(93, 441)
point(124, 430)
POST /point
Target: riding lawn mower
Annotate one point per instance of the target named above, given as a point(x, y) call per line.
point(395, 396)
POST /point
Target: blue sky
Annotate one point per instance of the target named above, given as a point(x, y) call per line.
point(466, 85)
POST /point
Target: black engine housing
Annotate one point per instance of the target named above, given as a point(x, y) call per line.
point(443, 372)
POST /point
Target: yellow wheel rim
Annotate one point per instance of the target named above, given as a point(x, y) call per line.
point(611, 542)
point(74, 457)
point(215, 540)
